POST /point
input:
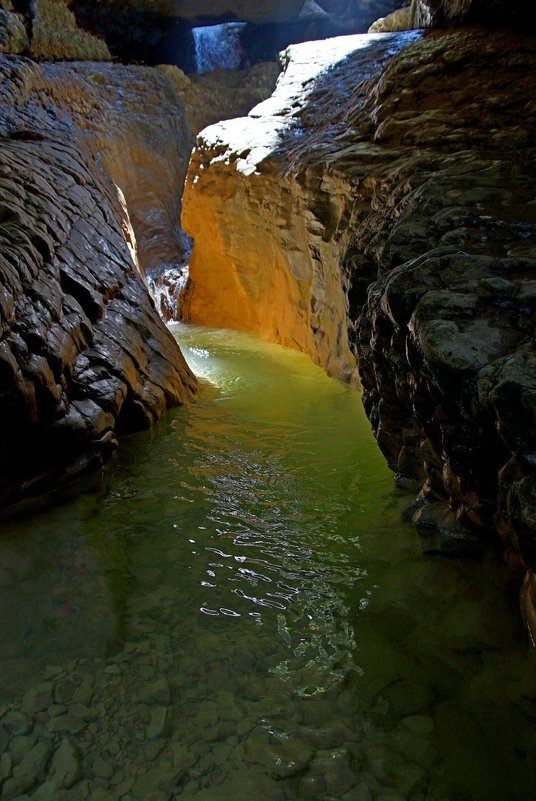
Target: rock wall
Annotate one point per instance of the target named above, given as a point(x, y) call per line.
point(134, 124)
point(220, 95)
point(268, 247)
point(124, 123)
point(436, 13)
point(83, 353)
point(409, 169)
point(201, 12)
point(159, 31)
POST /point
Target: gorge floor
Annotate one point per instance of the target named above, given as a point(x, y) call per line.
point(237, 612)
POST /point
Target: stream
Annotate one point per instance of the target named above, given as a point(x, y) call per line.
point(235, 612)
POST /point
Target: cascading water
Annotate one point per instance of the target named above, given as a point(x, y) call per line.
point(218, 47)
point(166, 283)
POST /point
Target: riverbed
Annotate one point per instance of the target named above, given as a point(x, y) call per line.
point(237, 611)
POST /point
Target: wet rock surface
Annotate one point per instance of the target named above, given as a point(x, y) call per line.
point(93, 354)
point(83, 351)
point(278, 270)
point(133, 124)
point(411, 172)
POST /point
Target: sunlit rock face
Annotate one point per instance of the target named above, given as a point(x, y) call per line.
point(390, 202)
point(399, 20)
point(83, 353)
point(268, 246)
point(134, 124)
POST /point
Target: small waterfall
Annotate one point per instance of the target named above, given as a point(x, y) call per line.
point(218, 47)
point(166, 283)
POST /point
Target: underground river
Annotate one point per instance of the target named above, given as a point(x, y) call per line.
point(236, 613)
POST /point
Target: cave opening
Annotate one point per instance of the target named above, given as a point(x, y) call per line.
point(218, 47)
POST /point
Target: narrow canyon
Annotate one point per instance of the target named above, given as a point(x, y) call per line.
point(267, 400)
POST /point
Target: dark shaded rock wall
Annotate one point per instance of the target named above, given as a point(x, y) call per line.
point(420, 182)
point(445, 342)
point(83, 353)
point(437, 13)
point(159, 31)
point(201, 12)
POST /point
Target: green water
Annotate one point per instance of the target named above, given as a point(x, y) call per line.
point(236, 613)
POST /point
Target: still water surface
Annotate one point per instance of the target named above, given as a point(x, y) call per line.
point(237, 613)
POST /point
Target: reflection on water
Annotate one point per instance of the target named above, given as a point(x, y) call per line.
point(237, 613)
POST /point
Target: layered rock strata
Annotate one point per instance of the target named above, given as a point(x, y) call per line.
point(267, 258)
point(83, 353)
point(134, 124)
point(409, 169)
point(253, 282)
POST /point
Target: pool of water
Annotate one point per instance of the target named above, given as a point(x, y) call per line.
point(235, 612)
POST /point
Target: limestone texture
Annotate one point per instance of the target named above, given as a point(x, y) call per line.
point(446, 13)
point(83, 353)
point(277, 271)
point(380, 210)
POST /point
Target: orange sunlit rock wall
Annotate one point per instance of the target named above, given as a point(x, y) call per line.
point(263, 262)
